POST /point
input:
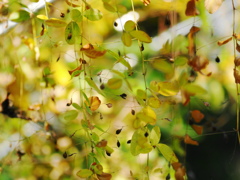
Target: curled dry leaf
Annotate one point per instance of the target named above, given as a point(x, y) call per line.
point(94, 103)
point(198, 129)
point(220, 43)
point(212, 5)
point(92, 52)
point(237, 61)
point(104, 176)
point(75, 72)
point(237, 47)
point(191, 44)
point(189, 140)
point(197, 116)
point(191, 9)
point(102, 143)
point(198, 64)
point(236, 73)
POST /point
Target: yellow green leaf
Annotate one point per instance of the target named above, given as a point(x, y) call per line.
point(194, 89)
point(58, 23)
point(93, 14)
point(126, 39)
point(70, 115)
point(180, 61)
point(168, 88)
point(114, 83)
point(84, 173)
point(141, 36)
point(42, 17)
point(93, 85)
point(163, 65)
point(75, 3)
point(141, 94)
point(19, 16)
point(72, 32)
point(129, 26)
point(76, 15)
point(140, 143)
point(154, 102)
point(109, 7)
point(167, 153)
point(155, 136)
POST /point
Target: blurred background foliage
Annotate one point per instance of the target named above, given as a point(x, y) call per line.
point(51, 130)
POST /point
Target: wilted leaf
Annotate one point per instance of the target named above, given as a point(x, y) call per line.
point(198, 64)
point(76, 15)
point(237, 47)
point(126, 39)
point(75, 72)
point(104, 176)
point(212, 5)
point(114, 83)
point(155, 136)
point(167, 153)
point(220, 43)
point(237, 61)
point(93, 14)
point(146, 2)
point(236, 74)
point(141, 36)
point(84, 173)
point(189, 140)
point(70, 115)
point(198, 129)
point(197, 116)
point(191, 9)
point(19, 16)
point(191, 43)
point(168, 88)
point(92, 52)
point(129, 26)
point(57, 23)
point(94, 103)
point(102, 143)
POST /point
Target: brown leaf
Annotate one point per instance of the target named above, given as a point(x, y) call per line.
point(198, 129)
point(237, 47)
point(146, 2)
point(237, 61)
point(191, 9)
point(95, 102)
point(198, 64)
point(220, 43)
point(189, 140)
point(102, 143)
point(236, 74)
point(104, 176)
point(197, 116)
point(74, 70)
point(191, 43)
point(92, 52)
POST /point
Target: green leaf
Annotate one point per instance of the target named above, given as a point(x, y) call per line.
point(141, 36)
point(93, 85)
point(84, 173)
point(99, 128)
point(126, 39)
point(167, 153)
point(129, 26)
point(114, 83)
point(76, 106)
point(93, 14)
point(155, 136)
point(180, 61)
point(163, 65)
point(95, 137)
point(57, 23)
point(76, 15)
point(19, 16)
point(70, 115)
point(72, 32)
point(141, 94)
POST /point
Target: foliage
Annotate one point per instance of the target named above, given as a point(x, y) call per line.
point(82, 87)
